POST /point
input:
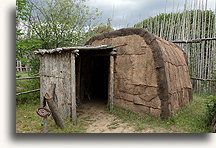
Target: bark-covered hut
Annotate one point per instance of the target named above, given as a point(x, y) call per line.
point(129, 68)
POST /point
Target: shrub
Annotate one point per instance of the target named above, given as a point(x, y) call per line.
point(211, 112)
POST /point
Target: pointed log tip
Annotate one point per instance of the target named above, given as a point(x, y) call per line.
point(47, 97)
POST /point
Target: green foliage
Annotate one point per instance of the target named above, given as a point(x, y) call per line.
point(26, 85)
point(22, 10)
point(211, 110)
point(24, 47)
point(51, 24)
point(34, 65)
point(18, 75)
point(60, 23)
point(24, 43)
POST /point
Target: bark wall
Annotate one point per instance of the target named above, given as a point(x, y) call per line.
point(56, 69)
point(177, 74)
point(135, 75)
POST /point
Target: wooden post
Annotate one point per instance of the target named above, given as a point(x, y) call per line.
point(111, 83)
point(73, 88)
point(46, 125)
point(45, 120)
point(53, 107)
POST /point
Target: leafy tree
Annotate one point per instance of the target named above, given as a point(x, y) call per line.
point(60, 23)
point(51, 24)
point(22, 10)
point(21, 16)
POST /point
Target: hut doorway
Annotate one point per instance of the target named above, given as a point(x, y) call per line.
point(93, 78)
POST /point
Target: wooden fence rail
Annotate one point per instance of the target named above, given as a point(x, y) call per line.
point(24, 78)
point(194, 40)
point(203, 79)
point(26, 92)
point(30, 91)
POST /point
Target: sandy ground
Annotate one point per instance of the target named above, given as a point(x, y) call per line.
point(97, 120)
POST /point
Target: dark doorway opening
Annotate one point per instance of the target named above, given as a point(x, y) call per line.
point(92, 72)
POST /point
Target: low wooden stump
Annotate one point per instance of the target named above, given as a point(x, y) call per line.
point(54, 109)
point(50, 107)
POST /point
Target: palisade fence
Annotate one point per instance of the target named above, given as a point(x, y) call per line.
point(22, 67)
point(194, 31)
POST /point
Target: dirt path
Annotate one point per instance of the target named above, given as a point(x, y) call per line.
point(97, 120)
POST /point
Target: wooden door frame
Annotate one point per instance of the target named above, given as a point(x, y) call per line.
point(111, 83)
point(73, 113)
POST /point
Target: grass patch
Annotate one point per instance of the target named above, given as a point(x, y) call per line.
point(27, 121)
point(191, 119)
point(26, 85)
